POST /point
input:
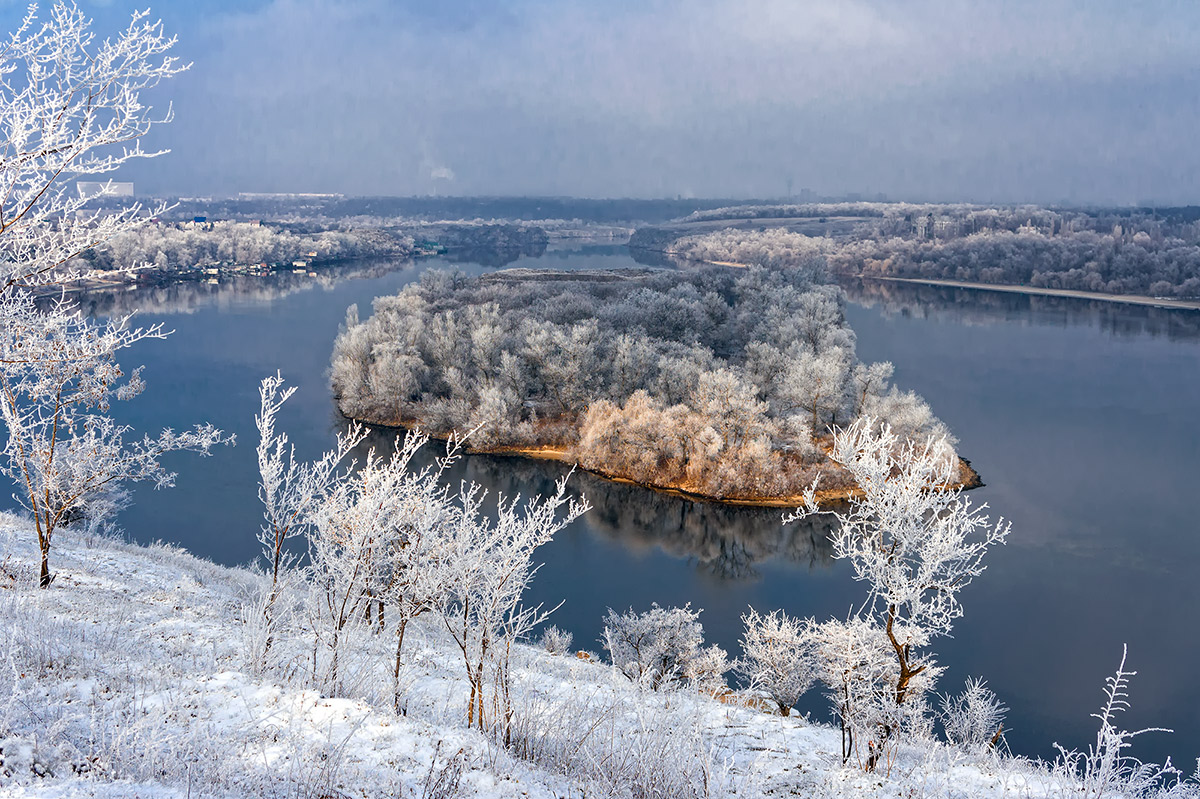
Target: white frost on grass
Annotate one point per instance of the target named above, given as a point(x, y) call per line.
point(131, 676)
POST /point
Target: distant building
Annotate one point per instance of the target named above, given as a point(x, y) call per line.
point(109, 188)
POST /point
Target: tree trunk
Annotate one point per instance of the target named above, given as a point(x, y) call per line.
point(333, 666)
point(45, 578)
point(269, 619)
point(902, 682)
point(396, 670)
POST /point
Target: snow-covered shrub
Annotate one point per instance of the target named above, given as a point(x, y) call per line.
point(628, 743)
point(444, 778)
point(1106, 769)
point(777, 657)
point(975, 718)
point(707, 670)
point(556, 641)
point(663, 647)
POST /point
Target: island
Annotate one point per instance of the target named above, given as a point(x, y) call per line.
point(715, 383)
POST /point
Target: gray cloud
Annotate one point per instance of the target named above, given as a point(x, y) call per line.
point(929, 100)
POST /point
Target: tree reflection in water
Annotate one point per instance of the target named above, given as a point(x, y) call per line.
point(187, 296)
point(725, 541)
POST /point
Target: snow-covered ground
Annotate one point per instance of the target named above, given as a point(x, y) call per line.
point(140, 673)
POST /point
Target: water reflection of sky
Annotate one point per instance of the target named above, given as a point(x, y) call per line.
point(1079, 415)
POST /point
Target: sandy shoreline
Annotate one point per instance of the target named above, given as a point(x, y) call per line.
point(1129, 299)
point(824, 497)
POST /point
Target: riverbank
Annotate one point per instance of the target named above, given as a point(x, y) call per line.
point(668, 252)
point(1129, 299)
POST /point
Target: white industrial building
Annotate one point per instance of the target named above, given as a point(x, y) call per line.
point(109, 188)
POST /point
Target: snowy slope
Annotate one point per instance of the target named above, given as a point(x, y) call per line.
point(139, 674)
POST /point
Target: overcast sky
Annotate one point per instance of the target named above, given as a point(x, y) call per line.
point(1087, 101)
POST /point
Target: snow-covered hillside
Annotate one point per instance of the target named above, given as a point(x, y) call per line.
point(141, 673)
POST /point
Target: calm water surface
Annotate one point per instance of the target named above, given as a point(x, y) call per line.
point(1080, 416)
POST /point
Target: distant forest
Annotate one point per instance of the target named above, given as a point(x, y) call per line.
point(714, 381)
point(1118, 252)
point(181, 246)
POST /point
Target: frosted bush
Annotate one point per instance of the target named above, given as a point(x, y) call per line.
point(556, 641)
point(778, 657)
point(858, 668)
point(663, 647)
point(975, 718)
point(1106, 769)
point(633, 744)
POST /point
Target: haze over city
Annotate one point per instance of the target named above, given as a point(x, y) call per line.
point(934, 101)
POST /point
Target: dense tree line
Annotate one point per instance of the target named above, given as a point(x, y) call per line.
point(950, 220)
point(183, 246)
point(716, 381)
point(1111, 252)
point(1083, 261)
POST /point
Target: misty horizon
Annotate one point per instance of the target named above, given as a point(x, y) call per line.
point(935, 101)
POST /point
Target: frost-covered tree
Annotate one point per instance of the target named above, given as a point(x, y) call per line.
point(352, 542)
point(912, 537)
point(815, 384)
point(58, 375)
point(415, 573)
point(290, 490)
point(70, 107)
point(393, 537)
point(491, 561)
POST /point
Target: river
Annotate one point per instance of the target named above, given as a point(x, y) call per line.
point(1080, 418)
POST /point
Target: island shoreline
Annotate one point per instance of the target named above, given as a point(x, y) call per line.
point(825, 498)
